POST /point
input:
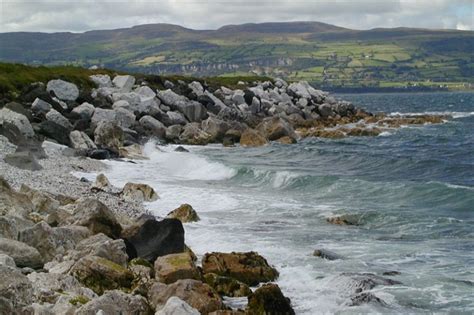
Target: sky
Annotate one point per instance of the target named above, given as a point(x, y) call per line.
point(84, 15)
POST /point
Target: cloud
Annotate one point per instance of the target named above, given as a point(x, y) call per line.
point(82, 15)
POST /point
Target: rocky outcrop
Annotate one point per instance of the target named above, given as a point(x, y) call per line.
point(185, 213)
point(268, 299)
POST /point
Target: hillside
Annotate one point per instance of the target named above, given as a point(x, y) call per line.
point(330, 56)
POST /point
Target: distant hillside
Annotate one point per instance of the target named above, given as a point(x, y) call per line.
point(328, 55)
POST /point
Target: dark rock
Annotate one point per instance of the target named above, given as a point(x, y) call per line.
point(20, 109)
point(248, 96)
point(99, 154)
point(156, 238)
point(326, 254)
point(227, 286)
point(12, 133)
point(181, 149)
point(365, 298)
point(268, 299)
point(23, 160)
point(391, 273)
point(55, 131)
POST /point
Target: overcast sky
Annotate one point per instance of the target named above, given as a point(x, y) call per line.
point(83, 15)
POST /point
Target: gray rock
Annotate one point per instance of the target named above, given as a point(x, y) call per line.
point(274, 128)
point(325, 110)
point(255, 106)
point(23, 160)
point(40, 107)
point(238, 97)
point(102, 115)
point(168, 84)
point(218, 104)
point(122, 104)
point(173, 132)
point(63, 90)
point(326, 254)
point(85, 110)
point(171, 99)
point(131, 97)
point(6, 260)
point(116, 302)
point(23, 254)
point(59, 119)
point(10, 226)
point(193, 134)
point(124, 117)
point(280, 83)
point(101, 80)
point(175, 306)
point(81, 141)
point(152, 126)
point(299, 89)
point(109, 135)
point(145, 92)
point(124, 82)
point(15, 290)
point(193, 111)
point(18, 120)
point(216, 128)
point(102, 246)
point(176, 118)
point(196, 87)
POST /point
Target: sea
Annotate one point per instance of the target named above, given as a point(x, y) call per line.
point(410, 189)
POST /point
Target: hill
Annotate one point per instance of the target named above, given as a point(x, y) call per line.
point(330, 56)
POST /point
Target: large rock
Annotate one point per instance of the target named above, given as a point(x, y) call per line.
point(109, 135)
point(40, 107)
point(85, 110)
point(174, 267)
point(15, 290)
point(268, 299)
point(171, 99)
point(249, 268)
point(216, 128)
point(124, 117)
point(12, 202)
point(102, 115)
point(152, 127)
point(6, 260)
point(24, 160)
point(55, 131)
point(139, 193)
point(81, 141)
point(185, 213)
point(197, 294)
point(63, 90)
point(94, 215)
point(53, 241)
point(176, 306)
point(124, 82)
point(227, 286)
point(154, 238)
point(18, 120)
point(100, 274)
point(101, 80)
point(116, 302)
point(193, 111)
point(56, 117)
point(274, 128)
point(193, 134)
point(252, 138)
point(176, 118)
point(10, 226)
point(43, 202)
point(102, 246)
point(23, 254)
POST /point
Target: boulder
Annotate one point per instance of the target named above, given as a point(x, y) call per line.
point(15, 290)
point(216, 128)
point(171, 99)
point(101, 183)
point(193, 111)
point(268, 299)
point(59, 119)
point(102, 115)
point(109, 135)
point(197, 294)
point(193, 134)
point(123, 104)
point(40, 107)
point(11, 225)
point(116, 302)
point(176, 118)
point(252, 138)
point(176, 306)
point(13, 203)
point(81, 141)
point(227, 286)
point(153, 238)
point(102, 246)
point(63, 90)
point(134, 151)
point(131, 97)
point(100, 274)
point(249, 268)
point(185, 213)
point(345, 219)
point(325, 110)
point(145, 91)
point(138, 193)
point(286, 140)
point(94, 215)
point(23, 254)
point(124, 117)
point(328, 133)
point(23, 160)
point(6, 260)
point(173, 267)
point(152, 127)
point(55, 131)
point(173, 132)
point(326, 254)
point(18, 120)
point(53, 241)
point(101, 80)
point(196, 87)
point(274, 128)
point(124, 82)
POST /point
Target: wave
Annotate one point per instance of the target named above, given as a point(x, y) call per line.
point(455, 115)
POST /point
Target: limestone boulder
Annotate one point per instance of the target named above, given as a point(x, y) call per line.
point(138, 193)
point(175, 306)
point(193, 134)
point(274, 128)
point(81, 141)
point(185, 213)
point(40, 107)
point(124, 82)
point(56, 117)
point(23, 254)
point(18, 120)
point(12, 202)
point(227, 286)
point(152, 127)
point(116, 302)
point(63, 90)
point(15, 290)
point(173, 267)
point(252, 138)
point(109, 135)
point(102, 246)
point(268, 299)
point(101, 80)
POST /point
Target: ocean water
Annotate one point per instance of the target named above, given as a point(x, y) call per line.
point(412, 190)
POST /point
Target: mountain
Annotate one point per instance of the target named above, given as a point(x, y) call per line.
point(325, 54)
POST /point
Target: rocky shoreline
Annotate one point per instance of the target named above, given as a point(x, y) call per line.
point(70, 246)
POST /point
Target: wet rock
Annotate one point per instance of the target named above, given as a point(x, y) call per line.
point(268, 299)
point(154, 238)
point(134, 151)
point(227, 286)
point(109, 135)
point(326, 254)
point(328, 133)
point(99, 154)
point(175, 306)
point(366, 298)
point(197, 294)
point(23, 254)
point(216, 128)
point(81, 141)
point(364, 132)
point(391, 273)
point(252, 138)
point(63, 90)
point(138, 193)
point(15, 290)
point(346, 219)
point(173, 267)
point(181, 149)
point(116, 302)
point(286, 140)
point(18, 120)
point(185, 213)
point(249, 268)
point(100, 274)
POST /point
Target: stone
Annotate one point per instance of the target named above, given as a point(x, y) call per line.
point(325, 110)
point(274, 128)
point(195, 293)
point(109, 135)
point(173, 267)
point(124, 82)
point(124, 117)
point(51, 241)
point(185, 213)
point(94, 215)
point(364, 132)
point(176, 306)
point(81, 141)
point(102, 246)
point(23, 254)
point(55, 131)
point(196, 87)
point(138, 193)
point(345, 219)
point(227, 286)
point(216, 128)
point(99, 154)
point(102, 115)
point(12, 202)
point(100, 274)
point(171, 99)
point(249, 268)
point(6, 260)
point(134, 151)
point(11, 225)
point(328, 133)
point(101, 183)
point(122, 104)
point(252, 138)
point(193, 111)
point(18, 120)
point(326, 254)
point(40, 107)
point(173, 132)
point(366, 298)
point(152, 127)
point(116, 302)
point(15, 290)
point(131, 97)
point(194, 135)
point(63, 90)
point(176, 118)
point(268, 299)
point(23, 160)
point(101, 80)
point(59, 119)
point(286, 140)
point(153, 239)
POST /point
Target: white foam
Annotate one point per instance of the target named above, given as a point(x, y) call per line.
point(385, 134)
point(455, 115)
